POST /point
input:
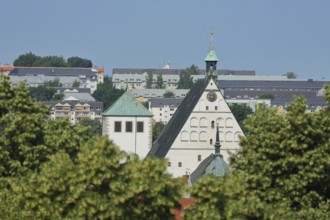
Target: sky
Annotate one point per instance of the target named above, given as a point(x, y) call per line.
point(270, 37)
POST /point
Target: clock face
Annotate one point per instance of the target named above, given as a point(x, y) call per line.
point(211, 96)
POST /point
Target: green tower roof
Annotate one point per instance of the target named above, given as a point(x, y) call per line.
point(126, 105)
point(211, 56)
point(218, 167)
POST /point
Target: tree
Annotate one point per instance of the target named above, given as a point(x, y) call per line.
point(169, 94)
point(75, 84)
point(47, 91)
point(97, 186)
point(185, 81)
point(79, 62)
point(241, 112)
point(267, 96)
point(149, 79)
point(50, 61)
point(160, 82)
point(30, 60)
point(53, 170)
point(290, 75)
point(95, 127)
point(27, 137)
point(281, 170)
point(106, 93)
point(27, 59)
point(157, 128)
point(55, 83)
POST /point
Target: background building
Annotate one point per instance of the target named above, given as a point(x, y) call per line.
point(35, 76)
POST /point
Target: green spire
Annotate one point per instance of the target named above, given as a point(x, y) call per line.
point(211, 56)
point(217, 143)
point(218, 167)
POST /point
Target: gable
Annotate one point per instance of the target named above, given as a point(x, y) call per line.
point(192, 123)
point(165, 140)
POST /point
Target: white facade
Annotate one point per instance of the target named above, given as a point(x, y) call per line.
point(129, 138)
point(196, 139)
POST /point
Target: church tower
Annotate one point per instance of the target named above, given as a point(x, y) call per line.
point(211, 60)
point(202, 118)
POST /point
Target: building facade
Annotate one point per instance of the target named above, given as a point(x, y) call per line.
point(129, 125)
point(35, 76)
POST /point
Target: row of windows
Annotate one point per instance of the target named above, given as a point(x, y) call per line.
point(207, 108)
point(202, 137)
point(129, 126)
point(202, 122)
point(199, 158)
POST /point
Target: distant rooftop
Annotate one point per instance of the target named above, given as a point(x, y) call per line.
point(178, 71)
point(54, 71)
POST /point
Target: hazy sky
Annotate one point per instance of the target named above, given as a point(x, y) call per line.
point(270, 37)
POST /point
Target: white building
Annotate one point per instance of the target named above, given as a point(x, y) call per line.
point(129, 125)
point(35, 76)
point(190, 134)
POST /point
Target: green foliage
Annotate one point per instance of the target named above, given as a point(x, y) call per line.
point(169, 94)
point(149, 79)
point(30, 60)
point(267, 96)
point(27, 137)
point(75, 84)
point(186, 81)
point(280, 172)
point(79, 62)
point(160, 82)
point(157, 128)
point(53, 170)
point(290, 75)
point(50, 61)
point(94, 126)
point(97, 186)
point(47, 91)
point(241, 112)
point(106, 93)
point(55, 83)
point(27, 59)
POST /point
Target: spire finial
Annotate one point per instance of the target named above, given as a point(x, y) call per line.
point(211, 40)
point(217, 142)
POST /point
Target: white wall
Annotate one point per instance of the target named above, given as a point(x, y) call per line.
point(194, 138)
point(130, 142)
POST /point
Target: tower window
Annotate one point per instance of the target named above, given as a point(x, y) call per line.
point(180, 164)
point(129, 126)
point(211, 141)
point(139, 126)
point(117, 126)
point(212, 124)
point(199, 158)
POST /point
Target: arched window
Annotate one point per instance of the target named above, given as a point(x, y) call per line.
point(220, 122)
point(203, 136)
point(211, 141)
point(180, 164)
point(203, 122)
point(193, 136)
point(184, 136)
point(229, 122)
point(193, 122)
point(229, 137)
